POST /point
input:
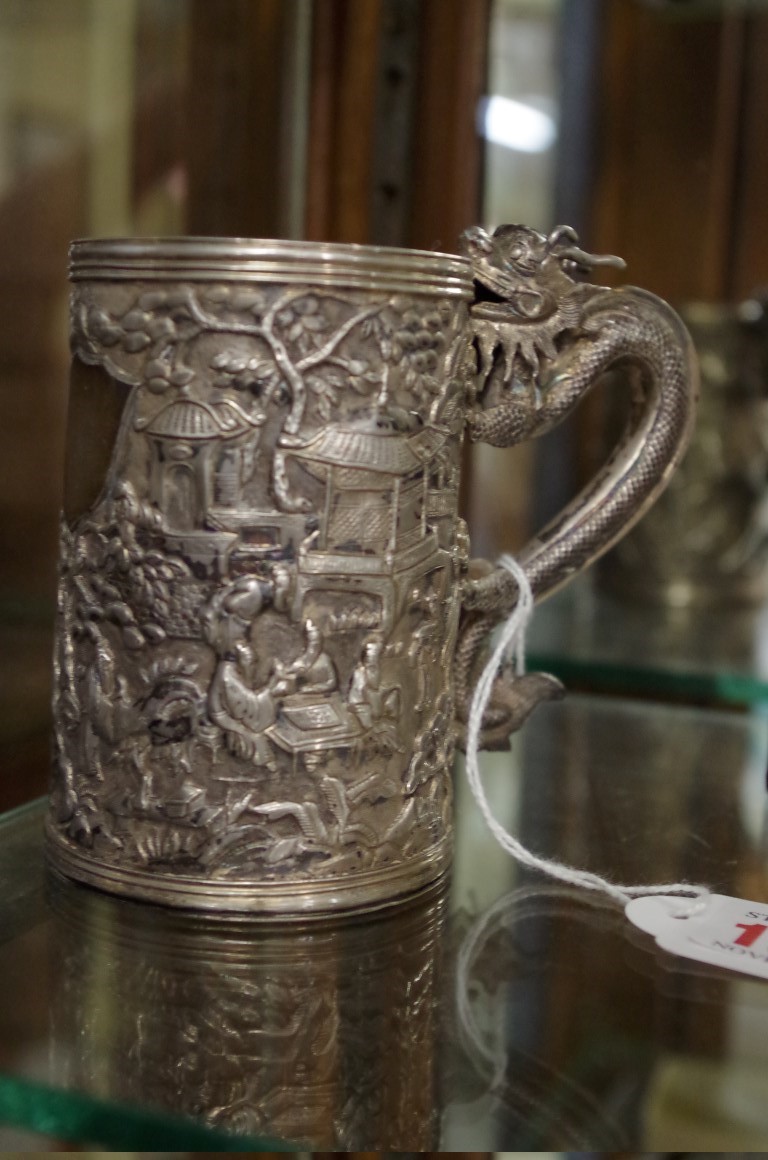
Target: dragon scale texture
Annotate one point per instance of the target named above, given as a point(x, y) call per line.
point(539, 353)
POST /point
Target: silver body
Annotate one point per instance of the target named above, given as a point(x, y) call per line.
point(268, 622)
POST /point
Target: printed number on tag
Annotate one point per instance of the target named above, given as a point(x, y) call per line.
point(725, 932)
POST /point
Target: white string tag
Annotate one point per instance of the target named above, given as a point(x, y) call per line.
point(511, 647)
point(685, 919)
point(728, 932)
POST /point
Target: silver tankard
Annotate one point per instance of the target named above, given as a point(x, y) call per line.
point(269, 625)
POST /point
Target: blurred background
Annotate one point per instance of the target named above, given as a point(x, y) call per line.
point(398, 122)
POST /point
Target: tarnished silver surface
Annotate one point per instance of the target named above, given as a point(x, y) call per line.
point(706, 541)
point(263, 569)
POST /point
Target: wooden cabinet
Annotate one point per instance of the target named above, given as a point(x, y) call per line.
point(681, 173)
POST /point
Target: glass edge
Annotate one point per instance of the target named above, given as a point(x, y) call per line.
point(24, 813)
point(76, 1117)
point(718, 688)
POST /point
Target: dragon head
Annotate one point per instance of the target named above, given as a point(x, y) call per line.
point(528, 269)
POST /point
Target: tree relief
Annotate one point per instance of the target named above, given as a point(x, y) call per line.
point(257, 615)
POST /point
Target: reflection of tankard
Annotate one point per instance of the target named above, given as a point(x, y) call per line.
point(706, 541)
point(268, 624)
point(324, 1034)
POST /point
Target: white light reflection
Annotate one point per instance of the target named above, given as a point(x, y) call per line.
point(515, 125)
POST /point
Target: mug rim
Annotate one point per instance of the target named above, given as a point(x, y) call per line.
point(202, 258)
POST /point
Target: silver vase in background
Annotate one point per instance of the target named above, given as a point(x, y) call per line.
point(706, 540)
point(269, 626)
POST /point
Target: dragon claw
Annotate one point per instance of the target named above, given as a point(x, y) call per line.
point(512, 702)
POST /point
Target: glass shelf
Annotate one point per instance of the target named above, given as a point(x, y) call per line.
point(122, 1023)
point(599, 641)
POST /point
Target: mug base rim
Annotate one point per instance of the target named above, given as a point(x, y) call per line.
point(365, 892)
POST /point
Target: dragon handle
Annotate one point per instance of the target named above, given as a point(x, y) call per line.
point(543, 338)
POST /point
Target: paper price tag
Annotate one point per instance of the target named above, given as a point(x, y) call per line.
point(725, 932)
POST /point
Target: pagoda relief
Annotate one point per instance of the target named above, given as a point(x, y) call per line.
point(201, 457)
point(260, 600)
point(374, 536)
